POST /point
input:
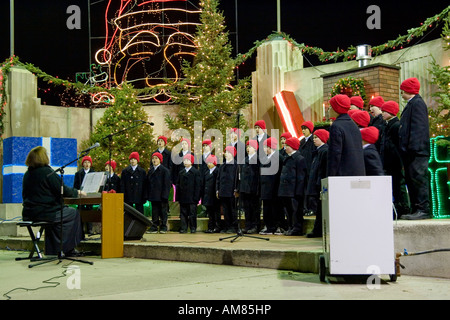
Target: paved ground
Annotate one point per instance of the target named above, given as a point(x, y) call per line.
point(135, 279)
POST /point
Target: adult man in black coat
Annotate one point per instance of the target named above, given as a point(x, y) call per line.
point(345, 155)
point(391, 159)
point(158, 188)
point(188, 194)
point(414, 140)
point(269, 180)
point(132, 183)
point(291, 189)
point(249, 188)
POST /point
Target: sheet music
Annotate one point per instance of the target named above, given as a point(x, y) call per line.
point(93, 181)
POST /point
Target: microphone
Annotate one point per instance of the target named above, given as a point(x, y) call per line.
point(224, 112)
point(91, 147)
point(150, 123)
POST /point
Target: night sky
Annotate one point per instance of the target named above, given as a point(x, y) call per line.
point(43, 39)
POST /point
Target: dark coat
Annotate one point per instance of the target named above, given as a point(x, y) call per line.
point(115, 183)
point(260, 150)
point(318, 170)
point(345, 154)
point(306, 149)
point(226, 180)
point(167, 159)
point(176, 168)
point(270, 178)
point(414, 128)
point(378, 123)
point(389, 148)
point(292, 176)
point(133, 184)
point(188, 186)
point(249, 176)
point(372, 161)
point(79, 176)
point(158, 184)
point(241, 154)
point(41, 194)
point(209, 188)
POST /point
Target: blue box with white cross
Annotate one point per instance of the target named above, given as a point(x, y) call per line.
point(61, 151)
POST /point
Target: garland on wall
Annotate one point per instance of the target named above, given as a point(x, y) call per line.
point(350, 86)
point(324, 56)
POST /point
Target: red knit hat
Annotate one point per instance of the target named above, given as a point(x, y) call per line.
point(231, 150)
point(113, 164)
point(134, 155)
point(340, 103)
point(162, 138)
point(377, 101)
point(159, 155)
point(286, 135)
point(253, 143)
point(391, 107)
point(293, 142)
point(211, 159)
point(309, 125)
point(370, 134)
point(362, 118)
point(261, 124)
point(207, 141)
point(86, 158)
point(271, 142)
point(357, 101)
point(189, 157)
point(322, 134)
point(410, 85)
point(236, 130)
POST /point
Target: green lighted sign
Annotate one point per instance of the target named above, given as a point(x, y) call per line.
point(439, 184)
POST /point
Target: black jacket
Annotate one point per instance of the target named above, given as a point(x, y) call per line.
point(372, 161)
point(318, 170)
point(115, 183)
point(158, 183)
point(167, 159)
point(345, 154)
point(226, 180)
point(292, 176)
point(41, 194)
point(132, 184)
point(188, 186)
point(270, 175)
point(414, 131)
point(389, 148)
point(249, 176)
point(209, 188)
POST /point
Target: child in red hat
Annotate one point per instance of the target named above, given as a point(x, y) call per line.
point(188, 188)
point(317, 173)
point(158, 188)
point(112, 180)
point(283, 138)
point(291, 189)
point(372, 161)
point(248, 189)
point(166, 153)
point(226, 190)
point(391, 159)
point(208, 196)
point(132, 183)
point(306, 149)
point(86, 163)
point(414, 141)
point(261, 136)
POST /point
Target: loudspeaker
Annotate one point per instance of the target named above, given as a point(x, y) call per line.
point(135, 223)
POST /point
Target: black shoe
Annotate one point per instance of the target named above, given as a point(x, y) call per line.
point(419, 215)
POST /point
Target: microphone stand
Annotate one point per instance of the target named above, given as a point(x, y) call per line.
point(61, 254)
point(237, 202)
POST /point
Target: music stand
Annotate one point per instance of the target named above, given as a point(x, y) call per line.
point(61, 256)
point(238, 203)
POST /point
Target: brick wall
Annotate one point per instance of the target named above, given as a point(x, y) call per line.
point(379, 80)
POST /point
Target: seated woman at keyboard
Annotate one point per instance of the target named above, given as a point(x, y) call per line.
point(41, 193)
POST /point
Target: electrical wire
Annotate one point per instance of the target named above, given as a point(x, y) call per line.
point(406, 253)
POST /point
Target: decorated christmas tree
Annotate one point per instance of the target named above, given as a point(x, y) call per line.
point(207, 85)
point(123, 120)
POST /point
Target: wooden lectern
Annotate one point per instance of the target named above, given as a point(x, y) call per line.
point(111, 218)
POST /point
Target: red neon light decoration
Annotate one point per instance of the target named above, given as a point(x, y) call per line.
point(289, 113)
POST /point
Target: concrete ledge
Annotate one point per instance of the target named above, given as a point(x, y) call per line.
point(424, 235)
